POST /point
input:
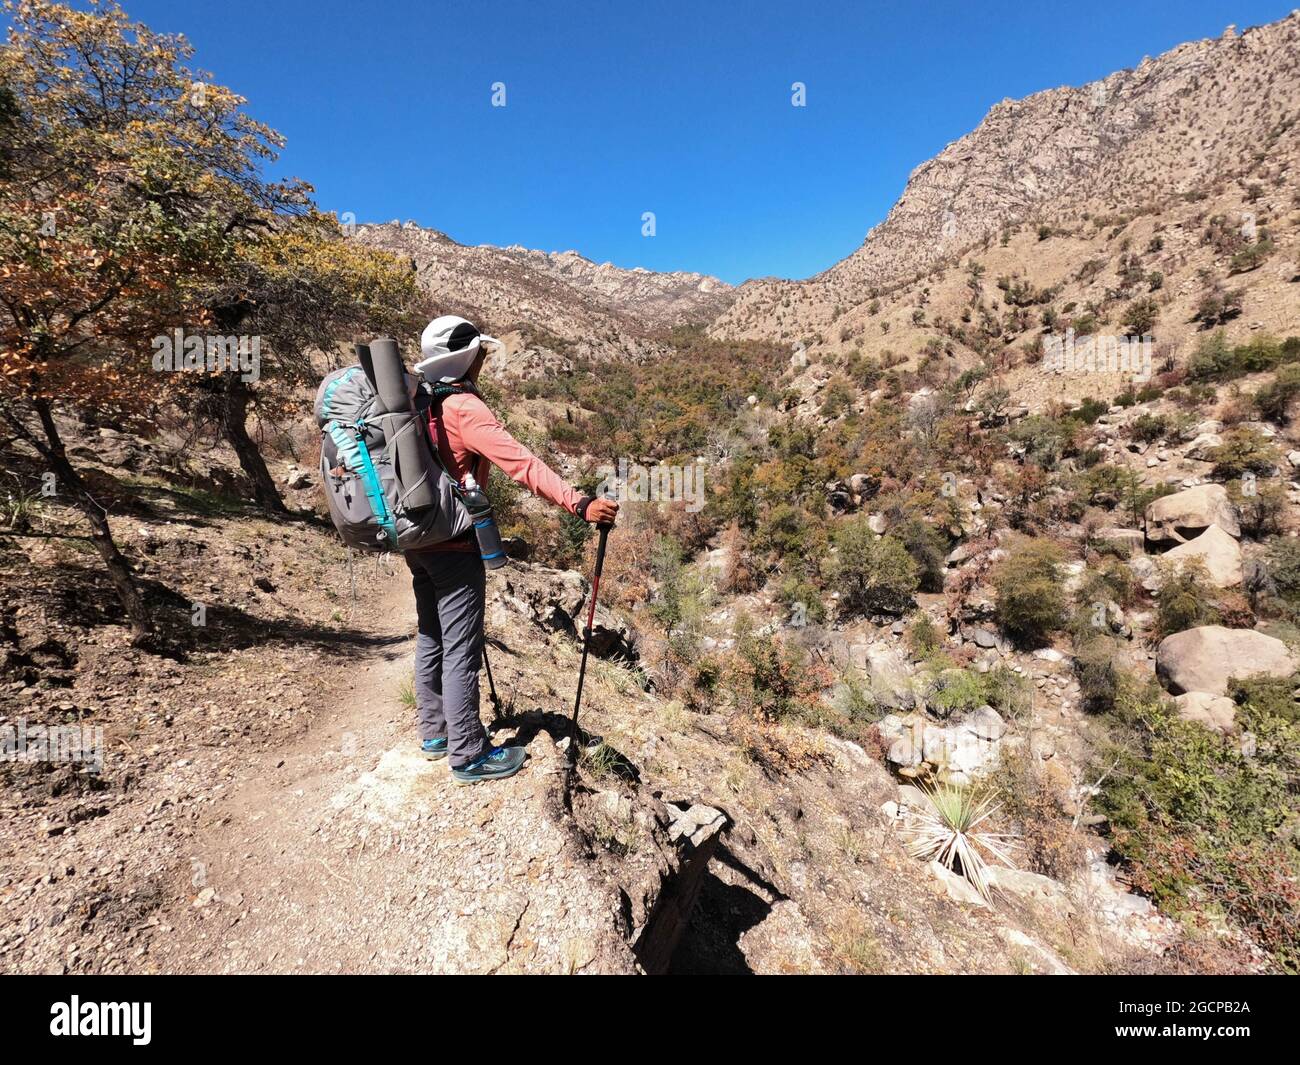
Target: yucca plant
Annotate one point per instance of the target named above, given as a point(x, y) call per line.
point(949, 831)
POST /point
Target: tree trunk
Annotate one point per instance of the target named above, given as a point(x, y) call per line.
point(234, 427)
point(119, 571)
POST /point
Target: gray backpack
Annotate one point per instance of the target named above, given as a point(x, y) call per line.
point(384, 485)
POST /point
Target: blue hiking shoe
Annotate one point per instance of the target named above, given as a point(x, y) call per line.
point(434, 749)
point(497, 764)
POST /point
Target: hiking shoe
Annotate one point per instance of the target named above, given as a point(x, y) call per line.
point(497, 764)
point(434, 749)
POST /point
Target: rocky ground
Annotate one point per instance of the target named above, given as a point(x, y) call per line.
point(261, 807)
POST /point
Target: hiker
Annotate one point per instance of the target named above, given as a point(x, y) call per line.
point(449, 578)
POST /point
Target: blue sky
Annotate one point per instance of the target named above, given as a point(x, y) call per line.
point(679, 108)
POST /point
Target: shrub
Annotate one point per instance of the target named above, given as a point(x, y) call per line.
point(1030, 602)
point(790, 532)
point(682, 596)
point(772, 681)
point(801, 598)
point(874, 575)
point(1251, 256)
point(1211, 358)
point(923, 636)
point(1140, 316)
point(1044, 439)
point(1204, 825)
point(1261, 352)
point(1184, 602)
point(1269, 695)
point(1274, 399)
point(956, 689)
point(1149, 428)
point(1243, 451)
point(1034, 797)
point(928, 548)
point(1218, 305)
point(1282, 565)
point(1097, 667)
point(837, 398)
point(1262, 509)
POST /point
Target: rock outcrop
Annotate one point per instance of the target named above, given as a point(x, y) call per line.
point(1206, 658)
point(1185, 515)
point(1217, 552)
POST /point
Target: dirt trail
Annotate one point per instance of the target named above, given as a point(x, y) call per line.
point(348, 851)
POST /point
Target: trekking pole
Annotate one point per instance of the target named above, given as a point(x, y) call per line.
point(492, 688)
point(586, 639)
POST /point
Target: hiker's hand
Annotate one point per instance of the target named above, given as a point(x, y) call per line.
point(602, 511)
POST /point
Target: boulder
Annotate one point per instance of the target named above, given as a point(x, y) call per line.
point(1131, 541)
point(890, 676)
point(987, 724)
point(555, 601)
point(956, 886)
point(1203, 659)
point(1146, 571)
point(1218, 552)
point(1177, 518)
point(297, 478)
point(1202, 448)
point(1216, 712)
point(863, 485)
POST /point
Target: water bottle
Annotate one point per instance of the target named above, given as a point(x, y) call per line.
point(485, 526)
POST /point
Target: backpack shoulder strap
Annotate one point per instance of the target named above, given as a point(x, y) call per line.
point(439, 392)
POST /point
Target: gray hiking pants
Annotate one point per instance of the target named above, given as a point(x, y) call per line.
point(449, 588)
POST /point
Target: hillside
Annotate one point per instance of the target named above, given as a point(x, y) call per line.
point(552, 307)
point(1208, 129)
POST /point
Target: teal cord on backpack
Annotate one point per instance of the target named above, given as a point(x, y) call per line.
point(356, 456)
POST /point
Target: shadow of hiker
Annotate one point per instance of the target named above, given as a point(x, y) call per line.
point(596, 752)
point(710, 945)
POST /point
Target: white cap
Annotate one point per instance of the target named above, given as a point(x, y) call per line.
point(448, 346)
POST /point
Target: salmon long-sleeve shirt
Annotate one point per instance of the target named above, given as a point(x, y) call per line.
point(466, 431)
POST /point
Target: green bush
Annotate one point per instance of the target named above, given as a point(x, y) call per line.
point(1243, 451)
point(1282, 564)
point(796, 592)
point(1140, 316)
point(1274, 399)
point(1205, 822)
point(1097, 666)
point(1212, 357)
point(1030, 601)
point(789, 532)
point(956, 689)
point(1184, 601)
point(1269, 695)
point(923, 636)
point(874, 575)
point(928, 548)
point(1149, 428)
point(1045, 439)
